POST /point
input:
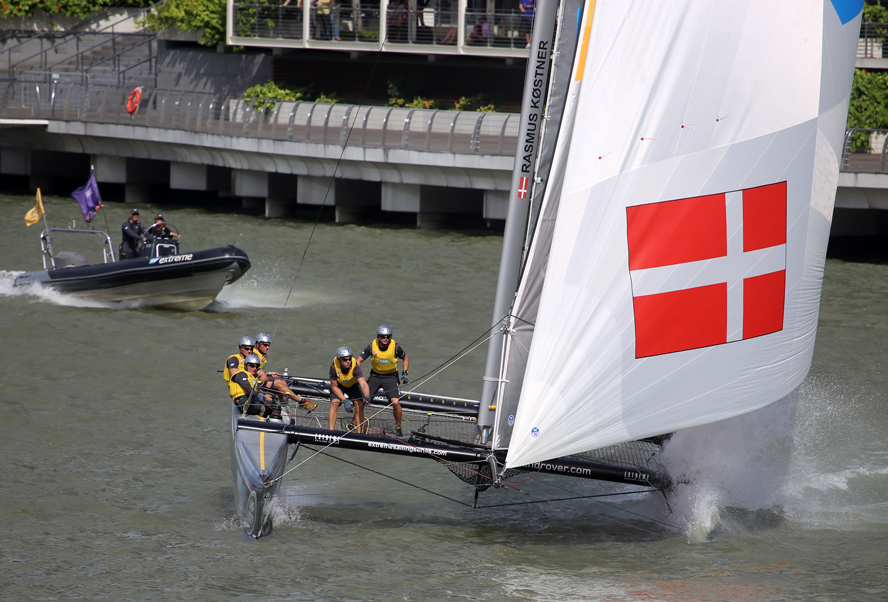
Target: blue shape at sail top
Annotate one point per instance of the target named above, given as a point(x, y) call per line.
point(847, 9)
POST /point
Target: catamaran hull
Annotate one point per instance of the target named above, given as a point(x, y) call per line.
point(258, 460)
point(567, 466)
point(189, 282)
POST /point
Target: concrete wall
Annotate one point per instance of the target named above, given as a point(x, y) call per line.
point(202, 69)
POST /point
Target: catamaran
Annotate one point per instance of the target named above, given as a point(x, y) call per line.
point(665, 241)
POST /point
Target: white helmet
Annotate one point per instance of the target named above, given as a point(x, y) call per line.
point(343, 352)
point(252, 359)
point(384, 329)
point(248, 341)
point(263, 338)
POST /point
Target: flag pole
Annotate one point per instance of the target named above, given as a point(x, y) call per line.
point(92, 171)
point(40, 197)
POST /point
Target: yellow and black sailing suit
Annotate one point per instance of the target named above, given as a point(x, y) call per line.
point(244, 389)
point(384, 368)
point(348, 380)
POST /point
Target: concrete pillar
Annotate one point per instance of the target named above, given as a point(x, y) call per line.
point(250, 183)
point(277, 207)
point(315, 190)
point(431, 221)
point(110, 169)
point(496, 204)
point(349, 196)
point(191, 176)
point(252, 203)
point(400, 197)
point(138, 196)
point(350, 215)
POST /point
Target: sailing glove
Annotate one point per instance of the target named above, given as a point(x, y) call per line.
point(404, 379)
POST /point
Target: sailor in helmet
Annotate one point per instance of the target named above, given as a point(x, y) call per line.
point(235, 362)
point(244, 390)
point(384, 354)
point(347, 379)
point(273, 379)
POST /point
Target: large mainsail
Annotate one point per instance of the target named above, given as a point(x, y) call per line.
point(683, 281)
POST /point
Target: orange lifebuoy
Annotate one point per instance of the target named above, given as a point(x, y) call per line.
point(132, 103)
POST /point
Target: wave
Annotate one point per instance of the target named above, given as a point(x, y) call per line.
point(796, 460)
point(255, 293)
point(36, 292)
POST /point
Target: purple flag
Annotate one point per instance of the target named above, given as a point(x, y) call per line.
point(89, 198)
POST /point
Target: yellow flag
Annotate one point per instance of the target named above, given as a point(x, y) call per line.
point(33, 216)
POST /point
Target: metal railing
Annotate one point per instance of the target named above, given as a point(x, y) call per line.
point(865, 151)
point(461, 132)
point(872, 37)
point(405, 28)
point(41, 60)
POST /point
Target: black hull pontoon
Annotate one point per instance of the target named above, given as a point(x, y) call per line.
point(437, 428)
point(258, 459)
point(188, 281)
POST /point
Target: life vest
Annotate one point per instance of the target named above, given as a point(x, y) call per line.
point(384, 362)
point(346, 379)
point(240, 366)
point(236, 390)
point(262, 360)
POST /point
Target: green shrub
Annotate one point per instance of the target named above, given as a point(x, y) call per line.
point(71, 8)
point(869, 105)
point(477, 102)
point(418, 102)
point(206, 16)
point(264, 97)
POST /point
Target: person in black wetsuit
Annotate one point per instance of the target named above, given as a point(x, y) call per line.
point(160, 230)
point(133, 235)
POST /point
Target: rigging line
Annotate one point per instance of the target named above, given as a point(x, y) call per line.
point(480, 340)
point(403, 482)
point(439, 370)
point(314, 227)
point(614, 507)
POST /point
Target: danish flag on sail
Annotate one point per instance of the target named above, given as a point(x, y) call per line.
point(707, 270)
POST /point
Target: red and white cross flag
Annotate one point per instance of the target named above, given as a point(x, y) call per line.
point(707, 270)
point(522, 187)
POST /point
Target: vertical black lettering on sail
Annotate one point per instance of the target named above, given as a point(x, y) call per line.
point(532, 115)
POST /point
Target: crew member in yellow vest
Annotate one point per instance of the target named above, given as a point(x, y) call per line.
point(347, 379)
point(273, 380)
point(244, 390)
point(235, 362)
point(384, 354)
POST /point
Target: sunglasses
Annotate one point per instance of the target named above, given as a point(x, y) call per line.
point(385, 336)
point(246, 346)
point(266, 344)
point(252, 365)
point(345, 359)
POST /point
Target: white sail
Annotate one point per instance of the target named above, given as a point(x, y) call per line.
point(683, 283)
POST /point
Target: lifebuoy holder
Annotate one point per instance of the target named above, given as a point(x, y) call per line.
point(132, 103)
